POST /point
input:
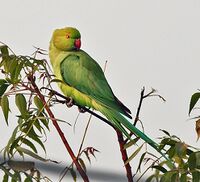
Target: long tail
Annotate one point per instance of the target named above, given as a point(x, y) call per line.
point(119, 120)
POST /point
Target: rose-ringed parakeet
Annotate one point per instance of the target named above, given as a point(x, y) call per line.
point(84, 81)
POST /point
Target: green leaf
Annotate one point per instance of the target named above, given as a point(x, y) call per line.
point(30, 153)
point(57, 80)
point(4, 50)
point(5, 177)
point(134, 154)
point(11, 140)
point(140, 162)
point(27, 62)
point(5, 107)
point(3, 86)
point(194, 161)
point(21, 103)
point(170, 176)
point(6, 171)
point(16, 177)
point(175, 177)
point(12, 65)
point(30, 144)
point(196, 176)
point(160, 168)
point(167, 141)
point(195, 97)
point(31, 134)
point(73, 173)
point(44, 120)
point(132, 142)
point(38, 103)
point(17, 71)
point(14, 145)
point(150, 178)
point(171, 152)
point(166, 132)
point(82, 164)
point(37, 125)
point(7, 61)
point(183, 177)
point(59, 120)
point(28, 179)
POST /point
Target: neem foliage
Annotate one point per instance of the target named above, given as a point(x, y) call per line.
point(23, 77)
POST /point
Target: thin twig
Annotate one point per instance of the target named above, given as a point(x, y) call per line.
point(138, 110)
point(84, 135)
point(139, 106)
point(153, 163)
point(142, 97)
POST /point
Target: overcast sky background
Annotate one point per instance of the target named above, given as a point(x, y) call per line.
point(154, 43)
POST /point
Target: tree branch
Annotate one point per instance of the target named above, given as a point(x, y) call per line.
point(119, 133)
point(67, 99)
point(124, 156)
point(78, 166)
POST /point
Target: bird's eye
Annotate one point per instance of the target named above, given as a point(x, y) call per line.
point(67, 36)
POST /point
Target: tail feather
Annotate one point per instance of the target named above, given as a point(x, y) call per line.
point(119, 121)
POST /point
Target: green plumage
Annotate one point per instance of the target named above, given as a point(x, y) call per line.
point(84, 81)
point(83, 73)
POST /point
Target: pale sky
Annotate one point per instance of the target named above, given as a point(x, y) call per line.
point(147, 43)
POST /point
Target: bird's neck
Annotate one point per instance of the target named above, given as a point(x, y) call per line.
point(54, 53)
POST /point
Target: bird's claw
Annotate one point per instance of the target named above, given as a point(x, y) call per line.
point(70, 103)
point(81, 110)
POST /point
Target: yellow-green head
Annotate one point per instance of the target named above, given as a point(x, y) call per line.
point(67, 39)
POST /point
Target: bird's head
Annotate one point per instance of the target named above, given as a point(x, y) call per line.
point(67, 39)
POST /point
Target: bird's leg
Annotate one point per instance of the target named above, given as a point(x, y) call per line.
point(81, 110)
point(70, 102)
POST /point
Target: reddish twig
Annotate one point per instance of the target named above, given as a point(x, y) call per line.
point(124, 156)
point(71, 153)
point(119, 134)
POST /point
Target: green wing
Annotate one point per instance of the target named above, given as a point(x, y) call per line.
point(83, 73)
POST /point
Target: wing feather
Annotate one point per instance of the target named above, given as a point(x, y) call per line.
point(84, 74)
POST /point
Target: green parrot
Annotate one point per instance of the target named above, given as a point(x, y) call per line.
point(83, 80)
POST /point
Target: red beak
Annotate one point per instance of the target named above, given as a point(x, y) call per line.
point(77, 43)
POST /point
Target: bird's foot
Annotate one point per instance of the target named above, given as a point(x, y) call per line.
point(70, 103)
point(81, 110)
